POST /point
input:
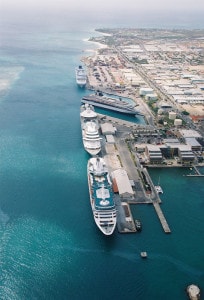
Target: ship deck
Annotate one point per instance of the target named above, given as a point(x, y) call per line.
point(102, 193)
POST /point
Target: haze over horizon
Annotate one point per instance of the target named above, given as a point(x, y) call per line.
point(105, 10)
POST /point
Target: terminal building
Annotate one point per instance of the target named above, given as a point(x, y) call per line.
point(154, 154)
point(168, 150)
point(185, 155)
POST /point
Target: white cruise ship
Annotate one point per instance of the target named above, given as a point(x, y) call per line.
point(80, 76)
point(110, 103)
point(101, 195)
point(90, 130)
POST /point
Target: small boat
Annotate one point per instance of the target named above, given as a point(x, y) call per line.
point(138, 225)
point(158, 189)
point(143, 254)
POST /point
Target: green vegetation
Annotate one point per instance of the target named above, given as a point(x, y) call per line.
point(118, 156)
point(152, 105)
point(184, 112)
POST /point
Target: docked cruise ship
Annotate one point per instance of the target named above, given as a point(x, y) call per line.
point(90, 129)
point(110, 103)
point(80, 76)
point(101, 195)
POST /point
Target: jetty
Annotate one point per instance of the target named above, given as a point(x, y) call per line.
point(161, 217)
point(197, 173)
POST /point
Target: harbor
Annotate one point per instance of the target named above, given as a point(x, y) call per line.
point(128, 148)
point(119, 156)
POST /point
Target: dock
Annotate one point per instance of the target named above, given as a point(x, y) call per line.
point(125, 221)
point(161, 217)
point(197, 173)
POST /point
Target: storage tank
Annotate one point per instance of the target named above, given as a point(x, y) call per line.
point(172, 115)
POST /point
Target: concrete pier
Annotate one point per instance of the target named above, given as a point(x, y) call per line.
point(161, 217)
point(125, 221)
point(197, 173)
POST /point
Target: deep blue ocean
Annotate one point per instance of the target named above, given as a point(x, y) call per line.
point(50, 247)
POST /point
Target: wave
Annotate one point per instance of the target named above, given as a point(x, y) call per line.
point(9, 75)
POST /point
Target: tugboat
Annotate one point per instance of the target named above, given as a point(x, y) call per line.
point(138, 225)
point(143, 254)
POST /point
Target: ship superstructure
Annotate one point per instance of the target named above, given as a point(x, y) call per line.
point(90, 130)
point(101, 195)
point(110, 103)
point(81, 77)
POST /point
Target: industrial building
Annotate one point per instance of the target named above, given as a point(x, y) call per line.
point(154, 154)
point(193, 143)
point(185, 154)
point(144, 91)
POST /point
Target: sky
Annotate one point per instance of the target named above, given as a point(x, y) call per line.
point(107, 10)
point(105, 5)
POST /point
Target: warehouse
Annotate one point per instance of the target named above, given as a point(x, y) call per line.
point(125, 190)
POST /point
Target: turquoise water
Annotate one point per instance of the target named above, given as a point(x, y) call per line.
point(50, 247)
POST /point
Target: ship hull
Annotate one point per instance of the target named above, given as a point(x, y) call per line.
point(104, 219)
point(110, 104)
point(80, 77)
point(90, 130)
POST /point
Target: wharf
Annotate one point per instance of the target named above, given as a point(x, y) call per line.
point(161, 217)
point(128, 124)
point(197, 173)
point(125, 222)
point(140, 194)
point(121, 154)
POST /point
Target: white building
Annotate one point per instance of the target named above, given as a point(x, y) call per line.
point(151, 97)
point(144, 91)
point(123, 183)
point(107, 128)
point(189, 133)
point(177, 122)
point(110, 139)
point(172, 115)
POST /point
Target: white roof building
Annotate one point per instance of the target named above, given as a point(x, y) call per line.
point(123, 183)
point(107, 128)
point(110, 139)
point(194, 144)
point(189, 133)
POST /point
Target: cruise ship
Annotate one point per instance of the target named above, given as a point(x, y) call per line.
point(109, 103)
point(101, 195)
point(80, 76)
point(90, 129)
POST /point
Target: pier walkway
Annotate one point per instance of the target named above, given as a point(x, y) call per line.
point(197, 173)
point(161, 217)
